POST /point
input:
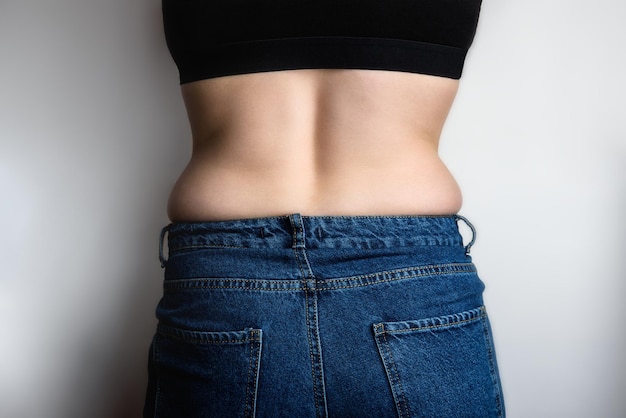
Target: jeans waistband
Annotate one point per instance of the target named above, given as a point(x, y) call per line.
point(293, 231)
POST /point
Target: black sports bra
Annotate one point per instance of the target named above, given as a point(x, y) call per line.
point(209, 38)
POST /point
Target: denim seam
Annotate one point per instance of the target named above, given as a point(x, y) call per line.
point(199, 247)
point(165, 332)
point(320, 359)
point(492, 369)
point(394, 378)
point(201, 341)
point(452, 269)
point(251, 388)
point(250, 362)
point(311, 356)
point(448, 325)
point(311, 319)
point(315, 350)
point(433, 243)
point(297, 289)
point(157, 393)
point(302, 288)
point(420, 271)
point(413, 276)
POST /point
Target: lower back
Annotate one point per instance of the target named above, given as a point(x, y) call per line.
point(316, 142)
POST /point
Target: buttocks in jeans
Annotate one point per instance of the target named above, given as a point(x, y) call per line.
point(322, 316)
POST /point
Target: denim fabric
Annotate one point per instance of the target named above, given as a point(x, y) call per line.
point(322, 316)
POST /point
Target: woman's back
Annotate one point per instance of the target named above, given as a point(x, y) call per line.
point(316, 142)
point(280, 297)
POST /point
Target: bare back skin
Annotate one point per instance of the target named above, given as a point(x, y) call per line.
point(316, 142)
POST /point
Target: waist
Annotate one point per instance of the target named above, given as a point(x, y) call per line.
point(331, 246)
point(405, 180)
point(323, 232)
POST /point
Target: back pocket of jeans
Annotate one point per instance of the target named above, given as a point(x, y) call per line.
point(206, 374)
point(441, 367)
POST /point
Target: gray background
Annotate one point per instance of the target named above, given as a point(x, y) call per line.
point(93, 134)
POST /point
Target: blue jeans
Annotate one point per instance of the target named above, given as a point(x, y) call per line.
point(322, 316)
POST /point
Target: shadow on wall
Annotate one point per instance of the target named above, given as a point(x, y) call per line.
point(620, 384)
point(109, 375)
point(124, 359)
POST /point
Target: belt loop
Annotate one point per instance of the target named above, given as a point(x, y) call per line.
point(164, 231)
point(297, 227)
point(468, 223)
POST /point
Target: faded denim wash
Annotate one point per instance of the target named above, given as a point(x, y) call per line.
point(322, 317)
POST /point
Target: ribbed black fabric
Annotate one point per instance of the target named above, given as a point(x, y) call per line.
point(209, 38)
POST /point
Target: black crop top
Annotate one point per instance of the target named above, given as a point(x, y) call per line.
point(210, 38)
